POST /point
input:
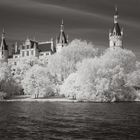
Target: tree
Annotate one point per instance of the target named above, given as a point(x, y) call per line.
point(8, 86)
point(123, 57)
point(37, 82)
point(70, 88)
point(78, 50)
point(62, 64)
point(133, 79)
point(103, 79)
point(23, 65)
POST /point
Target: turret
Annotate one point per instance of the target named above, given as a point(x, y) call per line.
point(116, 33)
point(3, 48)
point(53, 46)
point(62, 40)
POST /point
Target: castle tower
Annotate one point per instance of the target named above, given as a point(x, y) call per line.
point(116, 34)
point(62, 40)
point(3, 48)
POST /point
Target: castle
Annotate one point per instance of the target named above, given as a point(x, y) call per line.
point(43, 49)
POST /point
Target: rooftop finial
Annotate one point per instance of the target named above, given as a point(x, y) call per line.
point(116, 10)
point(3, 33)
point(62, 25)
point(34, 38)
point(27, 38)
point(3, 30)
point(62, 22)
point(116, 14)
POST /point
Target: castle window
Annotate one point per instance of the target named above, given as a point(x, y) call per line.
point(41, 54)
point(32, 52)
point(22, 54)
point(23, 47)
point(32, 46)
point(27, 46)
point(114, 44)
point(47, 53)
point(27, 53)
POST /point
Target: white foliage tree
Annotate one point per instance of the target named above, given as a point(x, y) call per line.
point(8, 86)
point(70, 87)
point(64, 63)
point(78, 50)
point(23, 65)
point(124, 58)
point(133, 79)
point(37, 82)
point(103, 79)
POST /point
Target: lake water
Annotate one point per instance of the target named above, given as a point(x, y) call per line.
point(69, 121)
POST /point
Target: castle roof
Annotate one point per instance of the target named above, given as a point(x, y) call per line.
point(62, 38)
point(3, 46)
point(46, 46)
point(116, 29)
point(33, 43)
point(41, 46)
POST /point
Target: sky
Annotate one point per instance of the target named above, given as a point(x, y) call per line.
point(83, 19)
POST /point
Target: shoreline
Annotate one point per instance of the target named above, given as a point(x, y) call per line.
point(58, 100)
point(39, 100)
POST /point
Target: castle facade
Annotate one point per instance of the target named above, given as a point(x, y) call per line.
point(43, 49)
point(32, 48)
